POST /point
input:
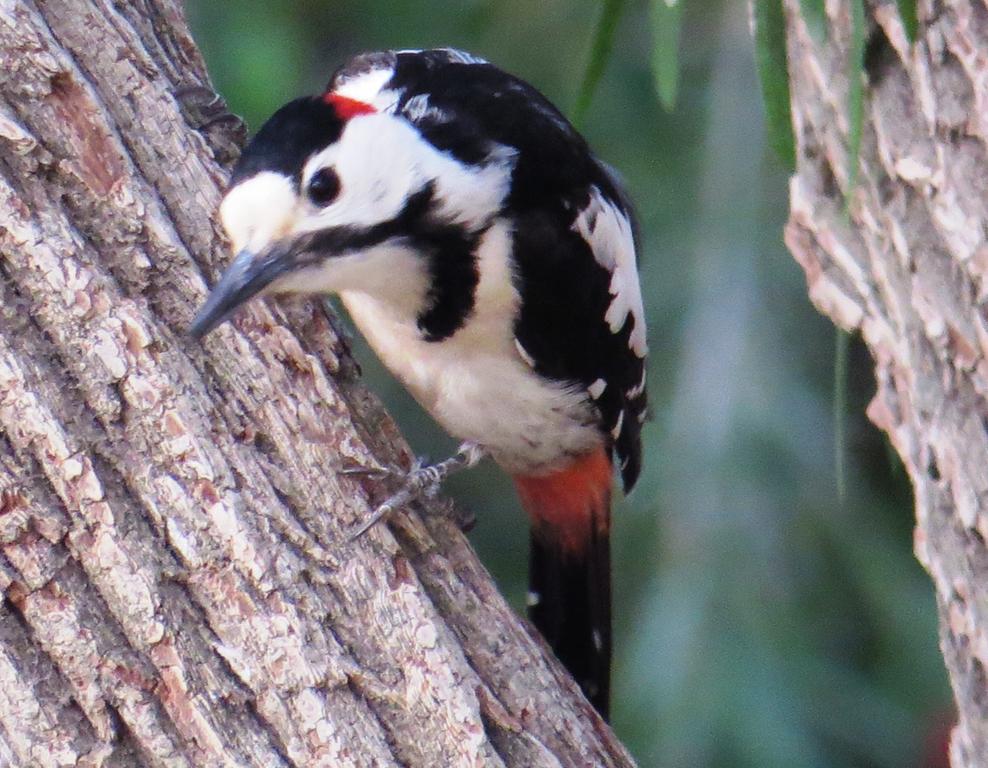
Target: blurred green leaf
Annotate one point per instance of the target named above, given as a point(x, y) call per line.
point(815, 14)
point(600, 52)
point(841, 351)
point(666, 18)
point(773, 72)
point(910, 19)
point(855, 94)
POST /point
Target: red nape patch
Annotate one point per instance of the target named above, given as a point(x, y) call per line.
point(565, 504)
point(346, 107)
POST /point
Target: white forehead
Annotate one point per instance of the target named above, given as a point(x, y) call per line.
point(257, 209)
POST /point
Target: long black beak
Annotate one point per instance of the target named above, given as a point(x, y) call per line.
point(247, 276)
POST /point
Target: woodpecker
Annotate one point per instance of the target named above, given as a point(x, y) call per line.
point(489, 258)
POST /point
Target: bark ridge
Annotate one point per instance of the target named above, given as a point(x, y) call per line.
point(905, 263)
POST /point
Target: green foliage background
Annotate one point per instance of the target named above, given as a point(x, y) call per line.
point(760, 620)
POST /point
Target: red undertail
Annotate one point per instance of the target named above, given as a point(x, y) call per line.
point(570, 571)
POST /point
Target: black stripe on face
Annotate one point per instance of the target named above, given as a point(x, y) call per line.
point(448, 249)
point(454, 275)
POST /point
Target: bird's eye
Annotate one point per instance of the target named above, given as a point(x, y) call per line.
point(324, 186)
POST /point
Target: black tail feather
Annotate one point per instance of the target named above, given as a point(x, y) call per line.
point(570, 604)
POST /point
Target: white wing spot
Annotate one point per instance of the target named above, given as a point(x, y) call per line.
point(616, 432)
point(608, 231)
point(597, 389)
point(418, 108)
point(598, 641)
point(454, 55)
point(637, 390)
point(529, 360)
point(463, 57)
point(532, 599)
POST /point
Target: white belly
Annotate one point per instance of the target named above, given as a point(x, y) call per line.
point(478, 388)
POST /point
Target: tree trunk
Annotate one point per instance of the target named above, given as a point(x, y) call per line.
point(178, 587)
point(905, 263)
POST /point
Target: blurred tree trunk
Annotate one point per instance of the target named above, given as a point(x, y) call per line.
point(177, 586)
point(906, 265)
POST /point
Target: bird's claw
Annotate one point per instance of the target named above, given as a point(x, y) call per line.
point(423, 480)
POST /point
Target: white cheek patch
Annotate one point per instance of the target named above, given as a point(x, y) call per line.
point(382, 160)
point(608, 231)
point(377, 170)
point(258, 210)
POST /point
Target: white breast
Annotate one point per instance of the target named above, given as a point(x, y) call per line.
point(475, 384)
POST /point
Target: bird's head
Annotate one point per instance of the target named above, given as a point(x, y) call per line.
point(333, 195)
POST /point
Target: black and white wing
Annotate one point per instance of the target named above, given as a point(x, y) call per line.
point(582, 318)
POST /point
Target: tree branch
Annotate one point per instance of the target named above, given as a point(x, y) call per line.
point(906, 266)
point(178, 586)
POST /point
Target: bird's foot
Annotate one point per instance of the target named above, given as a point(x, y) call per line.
point(422, 481)
point(207, 113)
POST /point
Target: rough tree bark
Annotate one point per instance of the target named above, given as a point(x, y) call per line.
point(906, 265)
point(177, 586)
